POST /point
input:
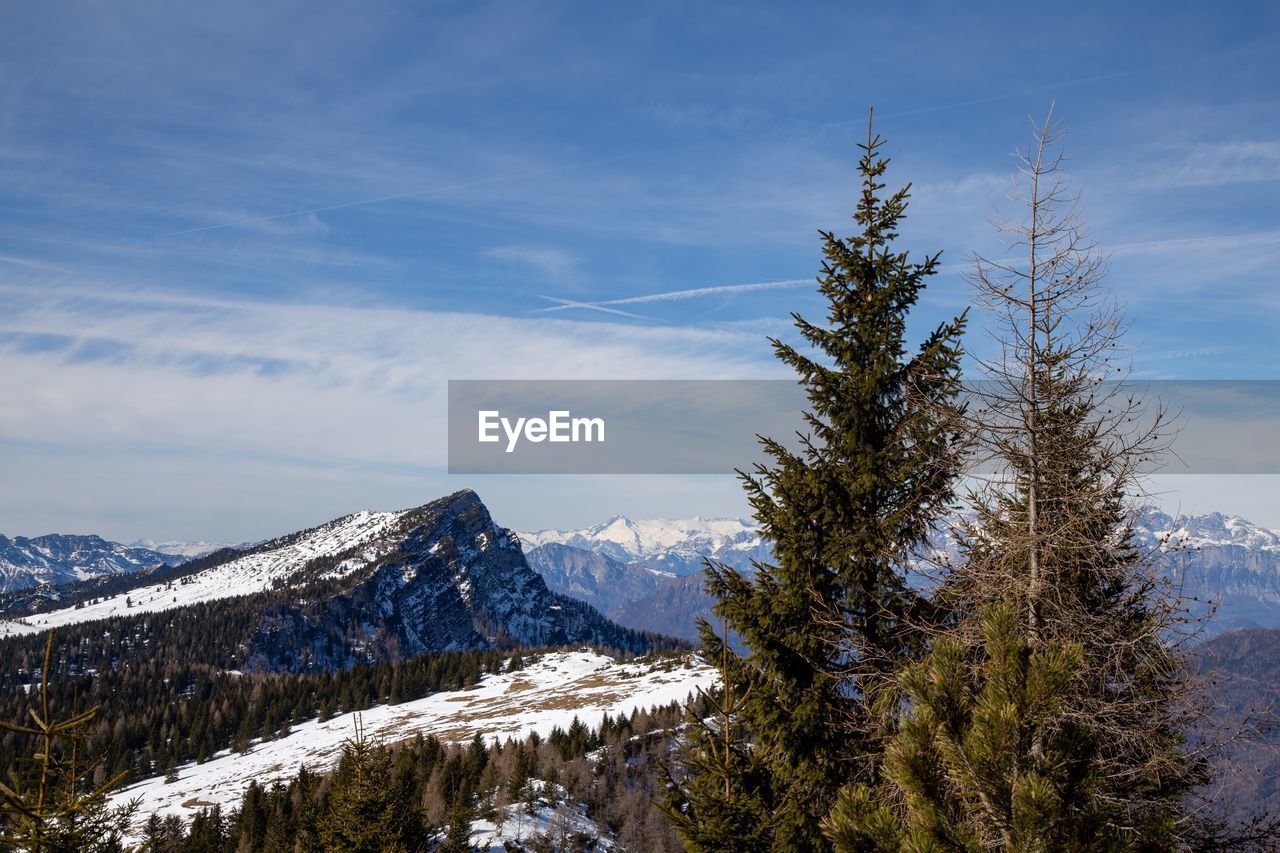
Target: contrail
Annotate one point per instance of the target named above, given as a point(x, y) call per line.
point(23, 262)
point(448, 188)
point(673, 295)
point(594, 306)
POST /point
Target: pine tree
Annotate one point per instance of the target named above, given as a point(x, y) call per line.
point(718, 804)
point(370, 808)
point(49, 803)
point(522, 768)
point(829, 619)
point(1052, 713)
point(959, 771)
point(458, 837)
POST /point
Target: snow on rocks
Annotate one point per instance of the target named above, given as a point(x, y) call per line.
point(243, 576)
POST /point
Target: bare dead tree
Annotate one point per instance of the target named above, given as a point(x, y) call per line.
point(1063, 438)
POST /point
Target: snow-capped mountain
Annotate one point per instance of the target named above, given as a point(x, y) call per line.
point(1225, 561)
point(1210, 529)
point(673, 545)
point(181, 548)
point(367, 586)
point(57, 558)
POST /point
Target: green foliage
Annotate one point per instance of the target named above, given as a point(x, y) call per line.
point(1050, 712)
point(160, 708)
point(370, 806)
point(49, 803)
point(458, 837)
point(987, 755)
point(719, 804)
point(828, 622)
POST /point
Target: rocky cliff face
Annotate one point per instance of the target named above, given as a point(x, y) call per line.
point(601, 581)
point(1228, 565)
point(443, 576)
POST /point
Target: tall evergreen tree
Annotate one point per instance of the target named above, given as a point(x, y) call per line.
point(370, 808)
point(1053, 712)
point(830, 618)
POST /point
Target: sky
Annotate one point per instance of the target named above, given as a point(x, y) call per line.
point(243, 250)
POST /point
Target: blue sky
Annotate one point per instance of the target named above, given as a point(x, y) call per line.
point(241, 252)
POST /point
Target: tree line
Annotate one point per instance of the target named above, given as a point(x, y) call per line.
point(425, 794)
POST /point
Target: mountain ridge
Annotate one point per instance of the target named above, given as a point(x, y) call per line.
point(364, 587)
point(1227, 567)
point(56, 558)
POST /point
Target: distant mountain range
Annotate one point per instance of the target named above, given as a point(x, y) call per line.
point(180, 548)
point(59, 558)
point(644, 575)
point(1224, 563)
point(677, 546)
point(368, 586)
point(595, 578)
point(631, 593)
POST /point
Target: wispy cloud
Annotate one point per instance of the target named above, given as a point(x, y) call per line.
point(1216, 242)
point(555, 265)
point(333, 400)
point(1216, 164)
point(31, 264)
point(333, 382)
point(500, 179)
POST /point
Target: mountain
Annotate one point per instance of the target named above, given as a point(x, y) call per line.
point(1228, 567)
point(673, 610)
point(1225, 562)
point(365, 587)
point(1245, 670)
point(183, 549)
point(599, 580)
point(677, 546)
point(59, 558)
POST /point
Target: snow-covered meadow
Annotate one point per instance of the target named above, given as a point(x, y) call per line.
point(548, 692)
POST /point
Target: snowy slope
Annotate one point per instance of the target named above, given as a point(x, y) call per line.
point(515, 826)
point(252, 573)
point(547, 693)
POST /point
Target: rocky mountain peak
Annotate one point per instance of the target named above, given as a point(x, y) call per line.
point(363, 587)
